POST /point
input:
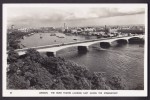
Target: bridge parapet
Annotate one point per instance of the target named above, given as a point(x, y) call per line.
point(81, 44)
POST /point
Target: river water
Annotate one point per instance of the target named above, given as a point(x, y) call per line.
point(126, 61)
point(41, 39)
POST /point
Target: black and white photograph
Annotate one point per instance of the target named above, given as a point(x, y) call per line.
point(74, 50)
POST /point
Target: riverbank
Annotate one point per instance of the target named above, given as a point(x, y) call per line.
point(37, 72)
point(13, 40)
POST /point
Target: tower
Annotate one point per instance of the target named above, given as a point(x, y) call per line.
point(105, 29)
point(12, 27)
point(64, 25)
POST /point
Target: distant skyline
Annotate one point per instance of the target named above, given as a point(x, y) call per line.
point(74, 16)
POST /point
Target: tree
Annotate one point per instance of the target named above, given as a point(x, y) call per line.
point(33, 54)
point(117, 83)
point(18, 82)
point(12, 56)
point(99, 82)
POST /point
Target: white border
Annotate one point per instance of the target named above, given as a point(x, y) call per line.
point(36, 93)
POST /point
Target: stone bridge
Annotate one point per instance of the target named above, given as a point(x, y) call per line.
point(83, 46)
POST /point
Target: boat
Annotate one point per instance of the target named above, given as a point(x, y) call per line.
point(32, 33)
point(53, 34)
point(60, 36)
point(75, 39)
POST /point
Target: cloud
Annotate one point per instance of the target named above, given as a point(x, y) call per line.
point(110, 12)
point(28, 15)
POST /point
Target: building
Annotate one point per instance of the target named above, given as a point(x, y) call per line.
point(113, 30)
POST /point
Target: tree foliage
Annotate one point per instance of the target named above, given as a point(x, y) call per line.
point(34, 71)
point(13, 40)
point(12, 56)
point(117, 83)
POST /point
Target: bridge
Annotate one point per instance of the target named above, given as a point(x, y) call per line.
point(83, 46)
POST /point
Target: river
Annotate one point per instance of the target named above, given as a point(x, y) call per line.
point(126, 61)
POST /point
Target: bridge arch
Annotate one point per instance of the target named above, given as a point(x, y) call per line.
point(136, 40)
point(114, 43)
point(122, 41)
point(50, 54)
point(107, 44)
point(82, 46)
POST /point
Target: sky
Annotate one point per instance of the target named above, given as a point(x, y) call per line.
point(56, 16)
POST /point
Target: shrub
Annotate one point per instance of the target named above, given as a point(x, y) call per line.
point(98, 81)
point(18, 82)
point(69, 81)
point(12, 56)
point(33, 54)
point(13, 68)
point(83, 83)
point(117, 83)
point(43, 77)
point(57, 85)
